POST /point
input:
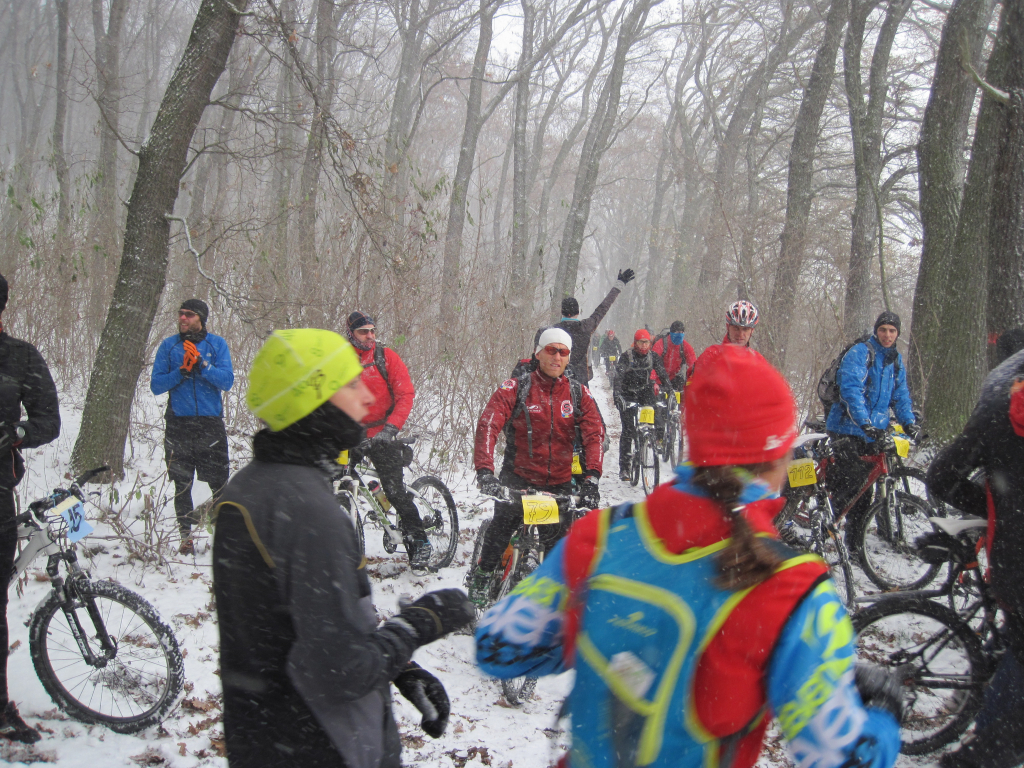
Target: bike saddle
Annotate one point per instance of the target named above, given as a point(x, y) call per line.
point(955, 527)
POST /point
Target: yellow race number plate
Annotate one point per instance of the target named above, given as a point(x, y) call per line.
point(576, 468)
point(902, 446)
point(611, 358)
point(540, 510)
point(679, 397)
point(647, 414)
point(801, 472)
point(343, 458)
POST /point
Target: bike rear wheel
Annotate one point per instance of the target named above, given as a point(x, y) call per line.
point(884, 540)
point(937, 658)
point(348, 503)
point(136, 687)
point(440, 519)
point(650, 466)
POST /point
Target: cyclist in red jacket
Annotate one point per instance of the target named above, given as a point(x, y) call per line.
point(539, 416)
point(388, 379)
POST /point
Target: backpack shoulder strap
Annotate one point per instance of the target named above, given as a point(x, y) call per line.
point(523, 383)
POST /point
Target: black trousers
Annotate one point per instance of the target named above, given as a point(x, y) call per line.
point(194, 446)
point(508, 516)
point(389, 459)
point(8, 548)
point(848, 474)
point(628, 438)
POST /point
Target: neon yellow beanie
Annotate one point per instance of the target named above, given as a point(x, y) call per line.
point(296, 371)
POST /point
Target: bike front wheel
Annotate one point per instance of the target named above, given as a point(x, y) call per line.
point(885, 537)
point(829, 544)
point(936, 657)
point(348, 503)
point(671, 450)
point(134, 684)
point(526, 559)
point(649, 463)
point(440, 519)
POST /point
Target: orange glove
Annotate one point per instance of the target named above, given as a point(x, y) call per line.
point(191, 357)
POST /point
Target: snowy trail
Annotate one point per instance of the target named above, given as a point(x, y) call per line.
point(482, 730)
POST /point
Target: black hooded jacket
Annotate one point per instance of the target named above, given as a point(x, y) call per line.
point(25, 380)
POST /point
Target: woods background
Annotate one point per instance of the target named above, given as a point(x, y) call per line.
point(455, 167)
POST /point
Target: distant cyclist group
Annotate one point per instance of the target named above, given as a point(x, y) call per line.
point(688, 622)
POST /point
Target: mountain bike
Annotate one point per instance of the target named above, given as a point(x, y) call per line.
point(672, 442)
point(522, 556)
point(360, 494)
point(944, 657)
point(644, 464)
point(100, 651)
point(882, 538)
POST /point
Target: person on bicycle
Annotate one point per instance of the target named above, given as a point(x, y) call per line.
point(304, 666)
point(610, 347)
point(389, 381)
point(582, 330)
point(689, 625)
point(678, 358)
point(871, 379)
point(993, 440)
point(24, 381)
point(194, 368)
point(540, 428)
point(740, 319)
point(634, 371)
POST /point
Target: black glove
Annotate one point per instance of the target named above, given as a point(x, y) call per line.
point(880, 688)
point(10, 437)
point(436, 614)
point(489, 485)
point(874, 434)
point(590, 497)
point(913, 431)
point(428, 696)
point(388, 433)
point(625, 275)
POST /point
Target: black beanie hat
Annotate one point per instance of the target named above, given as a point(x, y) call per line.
point(359, 320)
point(677, 327)
point(1009, 343)
point(888, 318)
point(570, 307)
point(3, 293)
point(199, 307)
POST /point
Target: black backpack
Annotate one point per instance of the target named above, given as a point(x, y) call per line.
point(828, 385)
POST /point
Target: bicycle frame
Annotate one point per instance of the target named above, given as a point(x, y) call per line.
point(380, 516)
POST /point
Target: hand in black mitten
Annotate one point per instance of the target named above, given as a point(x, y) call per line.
point(388, 433)
point(625, 275)
point(913, 431)
point(437, 613)
point(489, 484)
point(874, 434)
point(428, 696)
point(590, 497)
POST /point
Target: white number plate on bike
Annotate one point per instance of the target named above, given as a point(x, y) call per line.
point(801, 472)
point(647, 414)
point(73, 512)
point(540, 510)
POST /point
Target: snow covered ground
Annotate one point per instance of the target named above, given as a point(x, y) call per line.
point(483, 730)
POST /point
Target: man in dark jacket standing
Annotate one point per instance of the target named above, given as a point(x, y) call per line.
point(305, 668)
point(581, 330)
point(993, 440)
point(195, 367)
point(24, 381)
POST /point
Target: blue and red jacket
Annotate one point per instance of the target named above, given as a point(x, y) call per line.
point(671, 669)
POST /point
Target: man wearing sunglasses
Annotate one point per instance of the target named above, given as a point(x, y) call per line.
point(633, 384)
point(194, 366)
point(538, 414)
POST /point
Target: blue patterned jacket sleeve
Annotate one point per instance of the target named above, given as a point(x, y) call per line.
point(811, 689)
point(522, 634)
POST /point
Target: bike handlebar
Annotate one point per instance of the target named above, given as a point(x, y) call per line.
point(89, 474)
point(509, 492)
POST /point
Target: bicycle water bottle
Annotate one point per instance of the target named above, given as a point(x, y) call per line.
point(378, 494)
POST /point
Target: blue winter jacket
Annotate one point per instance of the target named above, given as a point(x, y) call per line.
point(867, 395)
point(198, 394)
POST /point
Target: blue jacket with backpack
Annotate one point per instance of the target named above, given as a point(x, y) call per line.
point(871, 379)
point(198, 394)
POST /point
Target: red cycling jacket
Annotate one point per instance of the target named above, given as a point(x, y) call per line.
point(672, 359)
point(401, 383)
point(553, 422)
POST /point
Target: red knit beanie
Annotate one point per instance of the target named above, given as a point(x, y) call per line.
point(642, 335)
point(739, 409)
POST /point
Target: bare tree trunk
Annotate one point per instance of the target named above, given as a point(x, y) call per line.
point(140, 281)
point(450, 280)
point(107, 215)
point(866, 135)
point(940, 168)
point(60, 116)
point(595, 144)
point(520, 183)
point(655, 288)
point(800, 192)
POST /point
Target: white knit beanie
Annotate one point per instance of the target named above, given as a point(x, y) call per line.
point(553, 336)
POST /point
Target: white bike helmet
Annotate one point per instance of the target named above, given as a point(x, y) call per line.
point(742, 314)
